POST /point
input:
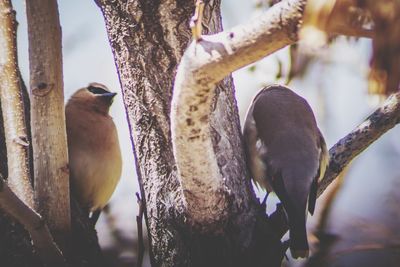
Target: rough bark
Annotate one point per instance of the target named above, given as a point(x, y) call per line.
point(48, 117)
point(147, 48)
point(148, 39)
point(13, 108)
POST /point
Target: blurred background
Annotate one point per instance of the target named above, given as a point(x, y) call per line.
point(334, 82)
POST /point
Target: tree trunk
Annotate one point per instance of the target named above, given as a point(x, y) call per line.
point(148, 39)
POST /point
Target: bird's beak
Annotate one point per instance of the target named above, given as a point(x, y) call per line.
point(107, 98)
point(109, 95)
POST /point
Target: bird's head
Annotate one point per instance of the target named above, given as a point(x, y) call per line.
point(95, 96)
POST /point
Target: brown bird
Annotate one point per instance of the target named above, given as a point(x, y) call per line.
point(94, 152)
point(286, 153)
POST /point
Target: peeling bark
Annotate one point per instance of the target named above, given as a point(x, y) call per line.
point(147, 48)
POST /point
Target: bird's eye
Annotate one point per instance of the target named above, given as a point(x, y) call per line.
point(97, 90)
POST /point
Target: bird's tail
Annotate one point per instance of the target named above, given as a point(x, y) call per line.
point(298, 237)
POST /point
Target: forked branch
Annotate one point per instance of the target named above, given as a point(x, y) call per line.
point(205, 63)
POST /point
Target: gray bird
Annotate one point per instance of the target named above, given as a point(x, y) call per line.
point(286, 153)
point(94, 152)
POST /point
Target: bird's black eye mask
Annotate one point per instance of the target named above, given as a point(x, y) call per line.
point(97, 90)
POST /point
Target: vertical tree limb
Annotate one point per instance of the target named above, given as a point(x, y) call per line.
point(49, 141)
point(15, 243)
point(146, 60)
point(13, 108)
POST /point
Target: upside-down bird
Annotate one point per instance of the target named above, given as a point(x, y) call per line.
point(286, 153)
point(93, 147)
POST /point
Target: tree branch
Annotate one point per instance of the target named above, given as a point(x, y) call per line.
point(147, 77)
point(33, 223)
point(346, 149)
point(13, 108)
point(204, 64)
point(216, 56)
point(49, 139)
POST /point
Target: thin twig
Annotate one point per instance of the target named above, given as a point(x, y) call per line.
point(139, 220)
point(33, 223)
